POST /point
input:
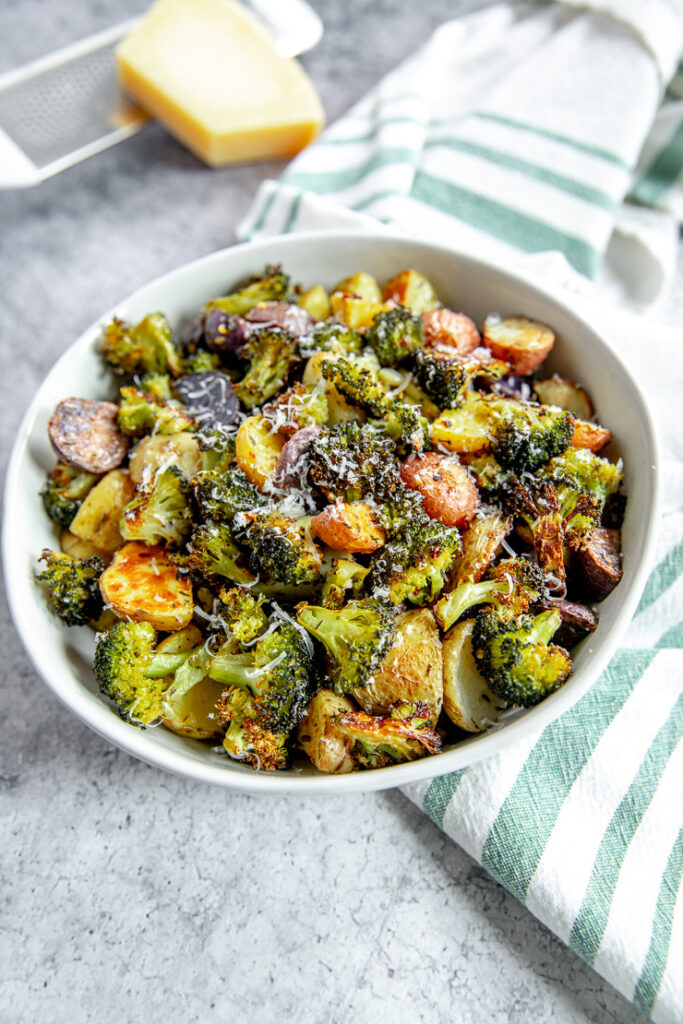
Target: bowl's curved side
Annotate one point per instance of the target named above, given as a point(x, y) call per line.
point(62, 658)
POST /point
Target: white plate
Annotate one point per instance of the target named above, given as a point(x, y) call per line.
point(62, 657)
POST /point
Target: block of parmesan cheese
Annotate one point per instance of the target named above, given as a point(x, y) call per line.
point(212, 75)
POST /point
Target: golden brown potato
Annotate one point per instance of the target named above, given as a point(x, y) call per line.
point(73, 545)
point(194, 714)
point(412, 671)
point(481, 543)
point(565, 395)
point(258, 449)
point(411, 289)
point(157, 450)
point(448, 492)
point(97, 520)
point(325, 744)
point(316, 301)
point(521, 343)
point(472, 434)
point(445, 327)
point(590, 435)
point(143, 585)
point(355, 312)
point(361, 285)
point(467, 699)
point(349, 527)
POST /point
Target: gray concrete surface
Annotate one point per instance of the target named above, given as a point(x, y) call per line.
point(129, 895)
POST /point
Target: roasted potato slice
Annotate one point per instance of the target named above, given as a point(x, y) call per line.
point(316, 301)
point(73, 545)
point(481, 543)
point(472, 434)
point(349, 527)
point(521, 343)
point(328, 748)
point(411, 289)
point(448, 492)
point(84, 433)
point(97, 520)
point(412, 671)
point(448, 329)
point(590, 435)
point(258, 450)
point(143, 585)
point(565, 395)
point(157, 450)
point(467, 699)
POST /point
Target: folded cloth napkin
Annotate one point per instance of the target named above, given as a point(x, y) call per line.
point(530, 133)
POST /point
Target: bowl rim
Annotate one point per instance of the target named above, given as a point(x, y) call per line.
point(97, 714)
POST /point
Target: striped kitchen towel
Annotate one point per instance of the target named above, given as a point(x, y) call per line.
point(523, 127)
point(546, 136)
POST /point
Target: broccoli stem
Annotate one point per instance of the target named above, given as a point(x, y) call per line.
point(233, 670)
point(165, 665)
point(466, 595)
point(543, 628)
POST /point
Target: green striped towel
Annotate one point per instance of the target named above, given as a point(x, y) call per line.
point(519, 133)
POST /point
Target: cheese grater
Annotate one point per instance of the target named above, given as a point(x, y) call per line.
point(67, 106)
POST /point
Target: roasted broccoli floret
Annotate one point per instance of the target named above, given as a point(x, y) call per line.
point(247, 738)
point(132, 673)
point(407, 427)
point(270, 686)
point(330, 336)
point(201, 362)
point(64, 491)
point(271, 355)
point(580, 469)
point(145, 348)
point(358, 383)
point(512, 586)
point(271, 286)
point(158, 385)
point(528, 436)
point(243, 612)
point(444, 380)
point(72, 586)
point(395, 335)
point(521, 436)
point(447, 378)
point(414, 566)
point(160, 513)
point(356, 638)
point(344, 580)
point(488, 474)
point(348, 461)
point(217, 449)
point(517, 658)
point(140, 412)
point(280, 548)
point(221, 494)
point(382, 740)
point(212, 553)
point(536, 504)
point(298, 407)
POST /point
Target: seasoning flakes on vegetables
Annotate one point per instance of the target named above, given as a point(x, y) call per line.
point(349, 524)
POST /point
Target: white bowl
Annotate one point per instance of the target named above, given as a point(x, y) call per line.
point(63, 656)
